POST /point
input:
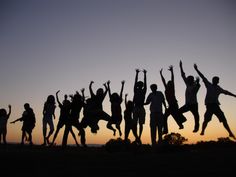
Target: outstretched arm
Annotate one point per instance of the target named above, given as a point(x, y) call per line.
point(182, 71)
point(20, 119)
point(136, 78)
point(226, 92)
point(122, 88)
point(9, 112)
point(106, 90)
point(162, 78)
point(90, 89)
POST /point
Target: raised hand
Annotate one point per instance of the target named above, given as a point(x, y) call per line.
point(57, 91)
point(144, 71)
point(170, 68)
point(123, 82)
point(195, 66)
point(137, 70)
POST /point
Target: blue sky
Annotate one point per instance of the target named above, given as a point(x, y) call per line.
point(64, 44)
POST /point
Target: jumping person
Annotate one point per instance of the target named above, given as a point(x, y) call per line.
point(212, 102)
point(191, 104)
point(116, 112)
point(173, 107)
point(139, 113)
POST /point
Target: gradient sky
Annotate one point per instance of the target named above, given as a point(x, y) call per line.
point(53, 45)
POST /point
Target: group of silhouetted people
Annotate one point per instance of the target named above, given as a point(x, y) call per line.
point(134, 113)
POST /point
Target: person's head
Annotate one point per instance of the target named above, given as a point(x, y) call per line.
point(153, 87)
point(114, 97)
point(215, 80)
point(139, 85)
point(26, 106)
point(190, 80)
point(3, 112)
point(51, 99)
point(170, 84)
point(99, 92)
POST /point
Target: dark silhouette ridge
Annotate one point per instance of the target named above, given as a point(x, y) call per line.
point(173, 107)
point(191, 103)
point(212, 102)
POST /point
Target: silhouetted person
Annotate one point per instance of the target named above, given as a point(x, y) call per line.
point(212, 102)
point(129, 122)
point(93, 111)
point(77, 103)
point(191, 104)
point(173, 107)
point(156, 100)
point(140, 89)
point(64, 116)
point(116, 112)
point(4, 116)
point(48, 116)
point(28, 118)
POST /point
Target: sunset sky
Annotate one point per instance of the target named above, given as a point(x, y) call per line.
point(50, 45)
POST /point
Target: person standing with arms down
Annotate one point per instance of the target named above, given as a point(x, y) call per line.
point(212, 102)
point(156, 100)
point(191, 104)
point(140, 89)
point(173, 107)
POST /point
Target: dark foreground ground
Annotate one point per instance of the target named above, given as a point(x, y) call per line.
point(188, 160)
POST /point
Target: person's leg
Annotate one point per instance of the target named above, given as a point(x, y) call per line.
point(160, 121)
point(142, 115)
point(4, 137)
point(23, 137)
point(68, 128)
point(165, 124)
point(44, 131)
point(153, 128)
point(194, 110)
point(135, 121)
point(207, 117)
point(221, 116)
point(51, 126)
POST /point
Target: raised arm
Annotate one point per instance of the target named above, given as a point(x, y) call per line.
point(136, 78)
point(126, 100)
point(200, 74)
point(58, 101)
point(107, 86)
point(122, 88)
point(162, 78)
point(106, 90)
point(90, 89)
point(145, 81)
point(9, 112)
point(182, 71)
point(83, 96)
point(172, 73)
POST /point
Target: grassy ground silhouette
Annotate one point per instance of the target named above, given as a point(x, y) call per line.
point(202, 159)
